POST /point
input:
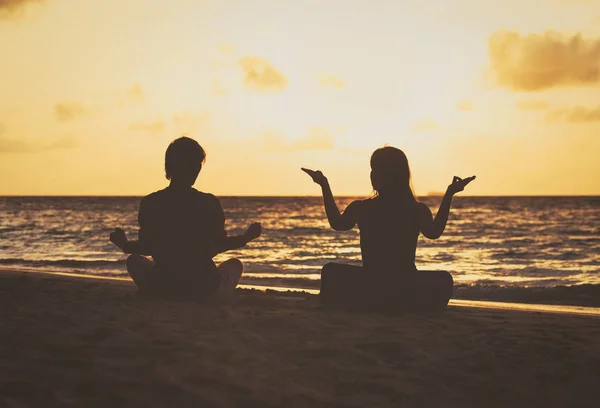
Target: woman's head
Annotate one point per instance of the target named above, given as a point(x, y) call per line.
point(183, 161)
point(390, 173)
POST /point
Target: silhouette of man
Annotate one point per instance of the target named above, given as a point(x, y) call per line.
point(182, 229)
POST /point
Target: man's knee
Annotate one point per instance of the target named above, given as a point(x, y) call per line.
point(234, 263)
point(136, 263)
point(132, 261)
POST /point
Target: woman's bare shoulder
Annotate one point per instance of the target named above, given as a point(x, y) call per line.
point(360, 203)
point(423, 209)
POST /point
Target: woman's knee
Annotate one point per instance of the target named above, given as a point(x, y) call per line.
point(236, 262)
point(334, 272)
point(444, 284)
point(233, 263)
point(441, 278)
point(446, 278)
point(333, 267)
point(328, 267)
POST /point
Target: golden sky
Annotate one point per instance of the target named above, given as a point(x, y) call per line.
point(92, 92)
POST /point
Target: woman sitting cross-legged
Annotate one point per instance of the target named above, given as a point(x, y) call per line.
point(390, 224)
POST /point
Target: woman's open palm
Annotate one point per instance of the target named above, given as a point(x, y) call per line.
point(317, 176)
point(459, 184)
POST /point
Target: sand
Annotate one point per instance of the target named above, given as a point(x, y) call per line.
point(69, 341)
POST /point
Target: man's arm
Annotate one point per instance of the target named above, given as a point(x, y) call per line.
point(225, 242)
point(134, 247)
point(140, 245)
point(118, 238)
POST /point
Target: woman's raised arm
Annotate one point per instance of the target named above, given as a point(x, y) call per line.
point(338, 221)
point(434, 228)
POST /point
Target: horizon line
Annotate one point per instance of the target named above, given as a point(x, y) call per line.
point(294, 195)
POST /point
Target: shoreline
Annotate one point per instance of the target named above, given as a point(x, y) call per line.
point(454, 302)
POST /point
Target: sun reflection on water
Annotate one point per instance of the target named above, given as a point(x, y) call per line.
point(528, 241)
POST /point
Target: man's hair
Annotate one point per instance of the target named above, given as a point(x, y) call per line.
point(184, 159)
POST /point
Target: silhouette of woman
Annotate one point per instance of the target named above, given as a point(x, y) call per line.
point(389, 224)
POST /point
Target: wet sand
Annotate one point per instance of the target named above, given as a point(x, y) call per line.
point(67, 341)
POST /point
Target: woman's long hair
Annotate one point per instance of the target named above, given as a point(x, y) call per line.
point(390, 174)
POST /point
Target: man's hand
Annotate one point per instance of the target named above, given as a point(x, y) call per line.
point(459, 184)
point(317, 176)
point(118, 238)
point(253, 231)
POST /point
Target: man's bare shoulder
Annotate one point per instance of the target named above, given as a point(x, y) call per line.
point(154, 197)
point(207, 199)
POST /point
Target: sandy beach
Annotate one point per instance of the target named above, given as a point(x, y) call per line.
point(87, 342)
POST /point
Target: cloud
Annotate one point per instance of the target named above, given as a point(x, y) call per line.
point(261, 75)
point(28, 146)
point(132, 96)
point(424, 125)
point(532, 105)
point(330, 80)
point(67, 111)
point(575, 115)
point(14, 7)
point(465, 106)
point(318, 138)
point(157, 126)
point(541, 61)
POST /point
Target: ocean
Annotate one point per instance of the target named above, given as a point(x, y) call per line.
point(506, 241)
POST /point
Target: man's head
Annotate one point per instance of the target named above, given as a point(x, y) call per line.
point(183, 161)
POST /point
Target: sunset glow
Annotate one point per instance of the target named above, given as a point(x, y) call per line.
point(91, 93)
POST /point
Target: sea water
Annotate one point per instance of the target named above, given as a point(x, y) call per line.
point(516, 241)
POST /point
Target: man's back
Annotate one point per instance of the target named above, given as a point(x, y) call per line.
point(180, 228)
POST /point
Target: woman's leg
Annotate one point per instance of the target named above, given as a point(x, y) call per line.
point(230, 272)
point(341, 284)
point(140, 268)
point(434, 290)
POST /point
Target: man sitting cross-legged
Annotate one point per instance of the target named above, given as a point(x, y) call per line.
point(182, 229)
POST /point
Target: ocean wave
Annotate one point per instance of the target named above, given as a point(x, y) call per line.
point(514, 254)
point(533, 272)
point(75, 263)
point(281, 282)
point(538, 241)
point(5, 230)
point(58, 232)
